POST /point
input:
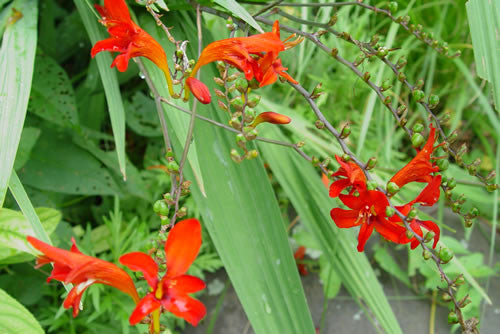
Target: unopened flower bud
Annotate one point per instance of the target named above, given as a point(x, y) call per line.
point(428, 236)
point(346, 157)
point(334, 52)
point(366, 76)
point(401, 76)
point(456, 207)
point(445, 255)
point(235, 123)
point(219, 94)
point(426, 254)
point(468, 223)
point(233, 77)
point(241, 85)
point(389, 212)
point(393, 7)
point(182, 212)
point(160, 207)
point(314, 161)
point(240, 139)
point(300, 144)
point(452, 183)
point(443, 164)
point(253, 101)
point(417, 140)
point(222, 105)
point(392, 188)
point(371, 185)
point(237, 103)
point(412, 214)
point(492, 187)
point(460, 280)
point(418, 95)
point(252, 154)
point(433, 101)
point(319, 124)
point(346, 131)
point(219, 81)
point(452, 318)
point(401, 63)
point(251, 134)
point(387, 100)
point(333, 20)
point(271, 117)
point(199, 90)
point(382, 52)
point(446, 297)
point(173, 167)
point(372, 162)
point(462, 150)
point(401, 109)
point(409, 234)
point(386, 84)
point(418, 127)
point(235, 156)
point(374, 40)
point(359, 60)
point(419, 84)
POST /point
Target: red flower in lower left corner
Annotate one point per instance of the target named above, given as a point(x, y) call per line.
point(171, 291)
point(82, 271)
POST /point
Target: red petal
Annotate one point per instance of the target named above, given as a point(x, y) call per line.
point(74, 297)
point(431, 226)
point(364, 233)
point(182, 246)
point(185, 307)
point(183, 285)
point(390, 231)
point(354, 202)
point(300, 253)
point(199, 90)
point(117, 10)
point(145, 306)
point(337, 187)
point(110, 44)
point(430, 194)
point(346, 218)
point(138, 261)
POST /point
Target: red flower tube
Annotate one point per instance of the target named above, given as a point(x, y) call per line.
point(170, 292)
point(81, 270)
point(128, 39)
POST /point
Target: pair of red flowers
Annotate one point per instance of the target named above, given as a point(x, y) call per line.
point(368, 207)
point(170, 292)
point(256, 56)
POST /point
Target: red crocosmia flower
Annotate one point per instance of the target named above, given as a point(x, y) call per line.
point(171, 291)
point(367, 210)
point(199, 90)
point(419, 169)
point(430, 194)
point(416, 225)
point(256, 56)
point(128, 39)
point(299, 255)
point(271, 117)
point(354, 177)
point(81, 270)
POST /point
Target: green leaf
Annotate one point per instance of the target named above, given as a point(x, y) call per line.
point(236, 9)
point(66, 168)
point(109, 81)
point(142, 116)
point(15, 318)
point(17, 56)
point(29, 136)
point(484, 23)
point(14, 227)
point(387, 262)
point(310, 198)
point(52, 95)
point(329, 277)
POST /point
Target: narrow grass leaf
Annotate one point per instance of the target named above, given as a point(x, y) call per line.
point(236, 9)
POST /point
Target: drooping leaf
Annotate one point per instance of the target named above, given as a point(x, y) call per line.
point(15, 318)
point(14, 227)
point(17, 56)
point(235, 8)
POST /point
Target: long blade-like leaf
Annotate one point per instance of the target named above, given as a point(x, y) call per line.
point(109, 82)
point(310, 198)
point(17, 56)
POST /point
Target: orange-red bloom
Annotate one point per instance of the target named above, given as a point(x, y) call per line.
point(299, 255)
point(256, 56)
point(271, 117)
point(367, 210)
point(419, 169)
point(128, 39)
point(171, 292)
point(354, 177)
point(81, 270)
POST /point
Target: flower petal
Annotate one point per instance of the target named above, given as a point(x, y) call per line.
point(145, 306)
point(138, 261)
point(183, 285)
point(185, 307)
point(337, 187)
point(390, 231)
point(431, 226)
point(182, 246)
point(364, 234)
point(110, 44)
point(75, 295)
point(430, 194)
point(346, 218)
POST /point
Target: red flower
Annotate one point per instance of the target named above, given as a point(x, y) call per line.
point(419, 169)
point(128, 39)
point(256, 56)
point(299, 255)
point(81, 270)
point(415, 225)
point(430, 194)
point(271, 117)
point(367, 210)
point(170, 292)
point(354, 177)
point(199, 90)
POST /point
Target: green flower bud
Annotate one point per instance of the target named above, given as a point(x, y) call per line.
point(418, 95)
point(443, 164)
point(445, 255)
point(241, 85)
point(452, 318)
point(240, 139)
point(235, 122)
point(433, 101)
point(426, 254)
point(446, 297)
point(401, 109)
point(235, 156)
point(372, 162)
point(393, 7)
point(418, 127)
point(412, 214)
point(366, 76)
point(222, 106)
point(158, 205)
point(346, 131)
point(456, 207)
point(452, 183)
point(233, 77)
point(252, 154)
point(237, 103)
point(386, 84)
point(253, 101)
point(460, 280)
point(468, 223)
point(382, 52)
point(179, 53)
point(372, 185)
point(389, 212)
point(401, 63)
point(219, 81)
point(346, 157)
point(182, 212)
point(428, 236)
point(417, 140)
point(419, 84)
point(319, 124)
point(474, 212)
point(173, 167)
point(492, 187)
point(401, 76)
point(392, 188)
point(409, 234)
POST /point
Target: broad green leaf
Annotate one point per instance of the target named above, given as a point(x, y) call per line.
point(241, 214)
point(14, 227)
point(29, 136)
point(484, 23)
point(56, 164)
point(309, 197)
point(142, 116)
point(235, 8)
point(17, 55)
point(109, 81)
point(329, 277)
point(15, 318)
point(52, 95)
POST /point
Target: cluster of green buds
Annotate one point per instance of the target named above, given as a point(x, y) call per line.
point(183, 66)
